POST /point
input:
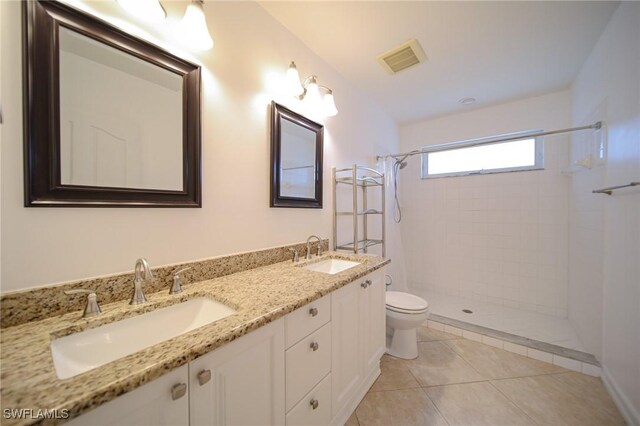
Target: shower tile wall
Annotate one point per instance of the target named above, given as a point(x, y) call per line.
point(500, 238)
point(586, 239)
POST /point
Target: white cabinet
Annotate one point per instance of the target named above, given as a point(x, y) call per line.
point(372, 319)
point(160, 402)
point(311, 367)
point(346, 359)
point(305, 320)
point(358, 341)
point(308, 364)
point(241, 383)
point(314, 408)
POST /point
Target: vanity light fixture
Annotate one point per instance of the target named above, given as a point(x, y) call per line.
point(310, 90)
point(192, 29)
point(147, 10)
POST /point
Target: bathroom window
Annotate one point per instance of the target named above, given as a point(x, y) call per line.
point(467, 157)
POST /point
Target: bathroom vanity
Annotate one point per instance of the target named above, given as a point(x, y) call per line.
point(310, 367)
point(302, 347)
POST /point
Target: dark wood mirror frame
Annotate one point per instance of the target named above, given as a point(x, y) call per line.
point(42, 174)
point(279, 112)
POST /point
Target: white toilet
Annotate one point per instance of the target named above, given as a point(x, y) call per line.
point(405, 313)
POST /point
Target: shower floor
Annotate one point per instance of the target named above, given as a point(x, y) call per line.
point(545, 328)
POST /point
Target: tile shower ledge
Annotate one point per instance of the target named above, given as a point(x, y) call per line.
point(259, 296)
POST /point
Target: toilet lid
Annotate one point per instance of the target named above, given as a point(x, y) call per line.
point(405, 301)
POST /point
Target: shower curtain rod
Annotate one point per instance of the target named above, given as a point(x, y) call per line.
point(445, 146)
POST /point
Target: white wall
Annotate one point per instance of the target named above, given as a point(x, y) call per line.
point(502, 237)
point(586, 236)
point(609, 83)
point(240, 77)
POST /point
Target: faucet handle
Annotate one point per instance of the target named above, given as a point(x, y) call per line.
point(92, 308)
point(177, 281)
point(319, 248)
point(296, 255)
point(178, 272)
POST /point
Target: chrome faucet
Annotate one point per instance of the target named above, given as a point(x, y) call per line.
point(296, 255)
point(92, 308)
point(142, 267)
point(308, 256)
point(177, 281)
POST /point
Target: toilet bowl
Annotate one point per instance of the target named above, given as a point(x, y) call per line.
point(405, 313)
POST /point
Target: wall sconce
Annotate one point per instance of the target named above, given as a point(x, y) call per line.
point(192, 29)
point(310, 89)
point(147, 10)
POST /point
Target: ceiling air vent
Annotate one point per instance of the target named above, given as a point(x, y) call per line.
point(402, 57)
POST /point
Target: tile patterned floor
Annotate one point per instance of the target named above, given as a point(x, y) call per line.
point(460, 382)
point(533, 325)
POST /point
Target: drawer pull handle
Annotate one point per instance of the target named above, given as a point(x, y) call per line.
point(204, 376)
point(314, 346)
point(368, 282)
point(313, 312)
point(364, 285)
point(314, 403)
point(178, 391)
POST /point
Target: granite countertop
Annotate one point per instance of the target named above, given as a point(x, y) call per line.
point(259, 296)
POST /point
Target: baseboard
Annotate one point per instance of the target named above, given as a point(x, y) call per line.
point(628, 411)
point(343, 415)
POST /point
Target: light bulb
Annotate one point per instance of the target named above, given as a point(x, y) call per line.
point(329, 105)
point(292, 81)
point(193, 30)
point(313, 94)
point(147, 10)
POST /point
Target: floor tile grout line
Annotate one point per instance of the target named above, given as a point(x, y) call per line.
point(390, 390)
point(410, 372)
point(456, 383)
point(466, 361)
point(435, 406)
point(513, 402)
point(512, 353)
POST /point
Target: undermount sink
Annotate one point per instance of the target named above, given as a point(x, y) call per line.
point(331, 266)
point(89, 349)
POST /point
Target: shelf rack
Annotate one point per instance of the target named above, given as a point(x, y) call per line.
point(364, 178)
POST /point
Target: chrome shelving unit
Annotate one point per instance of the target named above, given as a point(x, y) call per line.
point(363, 178)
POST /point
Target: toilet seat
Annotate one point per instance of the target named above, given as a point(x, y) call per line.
point(405, 303)
point(406, 311)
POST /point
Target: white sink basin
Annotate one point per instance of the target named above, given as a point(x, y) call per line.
point(331, 266)
point(89, 349)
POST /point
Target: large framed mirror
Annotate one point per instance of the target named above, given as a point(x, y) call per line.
point(110, 120)
point(296, 159)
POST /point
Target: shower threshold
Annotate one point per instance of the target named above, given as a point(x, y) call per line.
point(513, 339)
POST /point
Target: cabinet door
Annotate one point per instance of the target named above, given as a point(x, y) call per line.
point(346, 358)
point(372, 314)
point(150, 404)
point(242, 383)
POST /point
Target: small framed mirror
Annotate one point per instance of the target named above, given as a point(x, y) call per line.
point(110, 120)
point(296, 159)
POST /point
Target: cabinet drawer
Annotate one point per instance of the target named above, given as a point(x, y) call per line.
point(304, 413)
point(307, 363)
point(305, 320)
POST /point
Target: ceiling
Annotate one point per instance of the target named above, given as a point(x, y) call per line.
point(491, 51)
